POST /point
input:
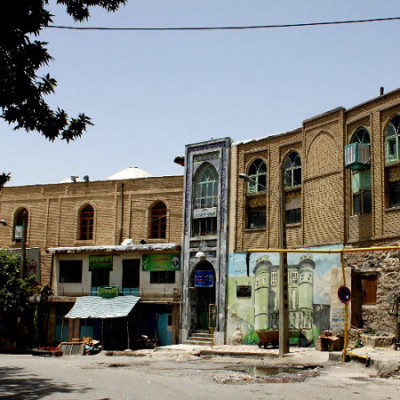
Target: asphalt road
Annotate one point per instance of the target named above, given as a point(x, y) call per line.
point(183, 376)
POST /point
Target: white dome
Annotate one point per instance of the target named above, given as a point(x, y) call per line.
point(130, 173)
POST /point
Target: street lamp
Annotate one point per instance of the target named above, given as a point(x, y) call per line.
point(283, 266)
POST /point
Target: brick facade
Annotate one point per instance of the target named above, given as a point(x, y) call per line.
point(53, 213)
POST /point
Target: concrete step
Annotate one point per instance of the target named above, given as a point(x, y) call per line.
point(197, 342)
point(200, 339)
point(206, 335)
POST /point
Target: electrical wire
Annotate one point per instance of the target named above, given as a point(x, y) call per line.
point(220, 28)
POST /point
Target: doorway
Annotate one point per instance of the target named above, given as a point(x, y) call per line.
point(201, 295)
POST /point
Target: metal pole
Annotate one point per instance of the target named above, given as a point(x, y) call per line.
point(283, 272)
point(127, 333)
point(23, 242)
point(346, 313)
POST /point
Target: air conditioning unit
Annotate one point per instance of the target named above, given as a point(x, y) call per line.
point(357, 156)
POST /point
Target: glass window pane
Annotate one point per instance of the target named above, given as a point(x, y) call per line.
point(367, 202)
point(394, 194)
point(297, 177)
point(357, 204)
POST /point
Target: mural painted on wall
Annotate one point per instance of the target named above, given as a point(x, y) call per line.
point(253, 294)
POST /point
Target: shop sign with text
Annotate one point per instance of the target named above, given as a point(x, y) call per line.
point(100, 262)
point(161, 262)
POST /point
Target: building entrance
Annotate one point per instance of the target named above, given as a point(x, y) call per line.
point(202, 294)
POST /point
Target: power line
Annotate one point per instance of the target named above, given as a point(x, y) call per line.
point(220, 28)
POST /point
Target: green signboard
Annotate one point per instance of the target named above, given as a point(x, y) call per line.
point(96, 262)
point(107, 292)
point(161, 262)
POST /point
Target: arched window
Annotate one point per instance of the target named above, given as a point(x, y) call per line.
point(258, 174)
point(205, 196)
point(206, 188)
point(292, 179)
point(361, 179)
point(392, 141)
point(292, 170)
point(86, 219)
point(158, 221)
point(20, 223)
point(361, 135)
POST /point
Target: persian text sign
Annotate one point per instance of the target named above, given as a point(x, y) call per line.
point(107, 292)
point(96, 262)
point(161, 262)
point(205, 212)
point(203, 278)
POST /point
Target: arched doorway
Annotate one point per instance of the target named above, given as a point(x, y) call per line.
point(201, 294)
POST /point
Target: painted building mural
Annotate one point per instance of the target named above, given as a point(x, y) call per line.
point(253, 294)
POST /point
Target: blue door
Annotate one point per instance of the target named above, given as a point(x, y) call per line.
point(164, 329)
point(61, 331)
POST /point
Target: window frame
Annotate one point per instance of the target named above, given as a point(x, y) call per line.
point(206, 184)
point(293, 212)
point(292, 170)
point(392, 140)
point(205, 196)
point(162, 277)
point(394, 185)
point(257, 172)
point(158, 220)
point(73, 264)
point(19, 218)
point(259, 213)
point(86, 222)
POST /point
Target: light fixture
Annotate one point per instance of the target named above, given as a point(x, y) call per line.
point(2, 222)
point(200, 254)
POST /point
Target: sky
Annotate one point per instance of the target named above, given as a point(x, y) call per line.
point(150, 93)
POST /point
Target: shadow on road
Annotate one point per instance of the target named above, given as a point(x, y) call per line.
point(16, 384)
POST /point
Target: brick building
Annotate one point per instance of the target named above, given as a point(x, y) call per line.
point(341, 189)
point(123, 232)
point(341, 178)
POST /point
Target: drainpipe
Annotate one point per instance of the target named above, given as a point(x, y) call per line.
point(122, 213)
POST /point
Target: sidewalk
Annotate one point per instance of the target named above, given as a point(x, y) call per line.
point(385, 361)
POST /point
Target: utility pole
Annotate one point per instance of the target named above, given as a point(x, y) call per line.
point(283, 272)
point(283, 265)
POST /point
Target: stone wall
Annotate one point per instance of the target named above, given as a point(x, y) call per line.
point(385, 265)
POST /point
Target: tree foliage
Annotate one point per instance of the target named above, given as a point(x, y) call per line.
point(4, 178)
point(22, 91)
point(14, 290)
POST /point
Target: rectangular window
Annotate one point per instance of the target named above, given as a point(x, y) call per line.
point(293, 216)
point(256, 218)
point(205, 226)
point(295, 277)
point(394, 194)
point(70, 271)
point(391, 149)
point(162, 276)
point(367, 202)
point(243, 291)
point(362, 203)
point(130, 273)
point(273, 278)
point(369, 287)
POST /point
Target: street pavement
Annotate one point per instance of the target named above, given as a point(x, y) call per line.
point(183, 372)
point(385, 360)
